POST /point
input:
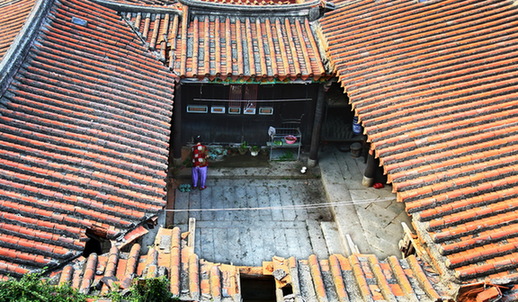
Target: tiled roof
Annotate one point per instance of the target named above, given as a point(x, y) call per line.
point(435, 85)
point(251, 46)
point(84, 127)
point(357, 277)
point(14, 14)
point(157, 3)
point(254, 2)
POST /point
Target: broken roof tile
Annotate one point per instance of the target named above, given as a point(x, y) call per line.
point(310, 280)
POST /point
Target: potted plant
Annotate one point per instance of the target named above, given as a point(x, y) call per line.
point(254, 150)
point(243, 148)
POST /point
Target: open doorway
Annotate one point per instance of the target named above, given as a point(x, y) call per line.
point(258, 289)
point(337, 126)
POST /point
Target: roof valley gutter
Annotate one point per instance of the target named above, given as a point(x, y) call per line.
point(19, 49)
point(136, 32)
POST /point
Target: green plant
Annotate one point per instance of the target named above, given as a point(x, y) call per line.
point(217, 153)
point(151, 290)
point(255, 148)
point(146, 290)
point(243, 148)
point(33, 288)
point(288, 155)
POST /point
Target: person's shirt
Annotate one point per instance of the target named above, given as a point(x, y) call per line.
point(199, 155)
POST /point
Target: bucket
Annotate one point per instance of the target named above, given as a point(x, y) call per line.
point(357, 128)
point(356, 149)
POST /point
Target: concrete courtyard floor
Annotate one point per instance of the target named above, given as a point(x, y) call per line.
point(250, 214)
point(371, 217)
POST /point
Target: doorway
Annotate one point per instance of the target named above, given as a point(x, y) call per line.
point(258, 289)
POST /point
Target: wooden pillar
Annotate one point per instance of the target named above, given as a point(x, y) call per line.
point(370, 171)
point(175, 153)
point(317, 125)
point(177, 124)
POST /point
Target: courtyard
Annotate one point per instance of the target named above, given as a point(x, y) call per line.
point(250, 214)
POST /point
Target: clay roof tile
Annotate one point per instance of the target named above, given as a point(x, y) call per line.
point(431, 83)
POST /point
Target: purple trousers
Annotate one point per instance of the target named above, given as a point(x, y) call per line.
point(199, 173)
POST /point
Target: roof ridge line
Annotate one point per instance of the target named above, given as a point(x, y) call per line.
point(16, 53)
point(126, 7)
point(300, 9)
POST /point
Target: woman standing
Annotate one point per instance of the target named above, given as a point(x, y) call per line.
point(199, 164)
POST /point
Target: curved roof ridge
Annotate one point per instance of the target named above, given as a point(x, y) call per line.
point(10, 61)
point(142, 8)
point(255, 9)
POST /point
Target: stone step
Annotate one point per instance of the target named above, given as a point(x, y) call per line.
point(335, 242)
point(317, 239)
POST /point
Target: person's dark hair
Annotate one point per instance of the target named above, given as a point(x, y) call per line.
point(197, 139)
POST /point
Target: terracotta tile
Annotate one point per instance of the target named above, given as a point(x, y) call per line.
point(89, 274)
point(13, 268)
point(205, 269)
point(215, 281)
point(381, 279)
point(66, 275)
point(400, 275)
point(17, 14)
point(420, 275)
point(317, 276)
point(229, 281)
point(360, 277)
point(194, 280)
point(272, 34)
point(338, 280)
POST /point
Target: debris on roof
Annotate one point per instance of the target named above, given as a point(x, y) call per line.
point(358, 277)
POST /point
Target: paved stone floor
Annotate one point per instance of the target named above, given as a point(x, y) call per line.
point(371, 217)
point(280, 220)
point(292, 214)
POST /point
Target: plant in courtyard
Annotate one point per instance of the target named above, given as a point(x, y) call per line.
point(243, 148)
point(33, 288)
point(217, 153)
point(288, 155)
point(254, 150)
point(146, 290)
